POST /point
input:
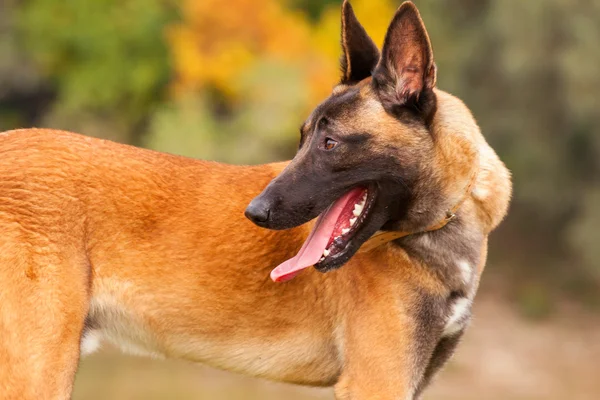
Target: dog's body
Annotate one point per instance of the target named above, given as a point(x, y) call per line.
point(151, 252)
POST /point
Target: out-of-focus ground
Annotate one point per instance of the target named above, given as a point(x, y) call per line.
point(502, 357)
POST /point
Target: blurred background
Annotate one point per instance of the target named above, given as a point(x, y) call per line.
point(233, 80)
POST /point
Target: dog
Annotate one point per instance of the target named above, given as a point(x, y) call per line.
point(153, 253)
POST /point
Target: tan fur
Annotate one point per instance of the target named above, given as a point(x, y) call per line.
point(158, 249)
point(154, 252)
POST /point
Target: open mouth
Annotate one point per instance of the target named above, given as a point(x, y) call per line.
point(331, 237)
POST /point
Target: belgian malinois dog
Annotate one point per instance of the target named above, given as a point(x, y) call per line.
point(151, 252)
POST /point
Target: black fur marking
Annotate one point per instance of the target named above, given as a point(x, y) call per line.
point(357, 138)
point(89, 324)
point(360, 54)
point(428, 314)
point(442, 353)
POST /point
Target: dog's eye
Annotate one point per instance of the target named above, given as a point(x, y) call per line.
point(329, 144)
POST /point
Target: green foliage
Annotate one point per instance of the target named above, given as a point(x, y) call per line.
point(106, 59)
point(313, 8)
point(17, 77)
point(260, 128)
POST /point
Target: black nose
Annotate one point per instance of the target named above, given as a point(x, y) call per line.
point(258, 211)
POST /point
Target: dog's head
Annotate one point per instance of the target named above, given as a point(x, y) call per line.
point(364, 152)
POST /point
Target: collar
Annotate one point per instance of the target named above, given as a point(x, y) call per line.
point(383, 237)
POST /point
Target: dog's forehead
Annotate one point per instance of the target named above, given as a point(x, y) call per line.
point(346, 102)
point(357, 109)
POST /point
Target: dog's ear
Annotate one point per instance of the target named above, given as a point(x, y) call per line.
point(406, 67)
point(360, 54)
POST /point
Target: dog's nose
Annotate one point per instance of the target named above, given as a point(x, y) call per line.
point(258, 211)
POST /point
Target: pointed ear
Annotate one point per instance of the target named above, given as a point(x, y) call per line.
point(406, 68)
point(360, 53)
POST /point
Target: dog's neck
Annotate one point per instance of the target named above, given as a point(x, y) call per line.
point(383, 237)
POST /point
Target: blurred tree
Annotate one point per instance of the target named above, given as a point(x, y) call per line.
point(23, 94)
point(213, 47)
point(312, 8)
point(267, 63)
point(106, 60)
point(258, 130)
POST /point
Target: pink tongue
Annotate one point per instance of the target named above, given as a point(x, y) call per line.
point(312, 249)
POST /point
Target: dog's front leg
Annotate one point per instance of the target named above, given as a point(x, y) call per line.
point(386, 351)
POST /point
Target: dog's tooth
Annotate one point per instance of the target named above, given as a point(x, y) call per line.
point(352, 221)
point(321, 259)
point(325, 252)
point(345, 230)
point(357, 209)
